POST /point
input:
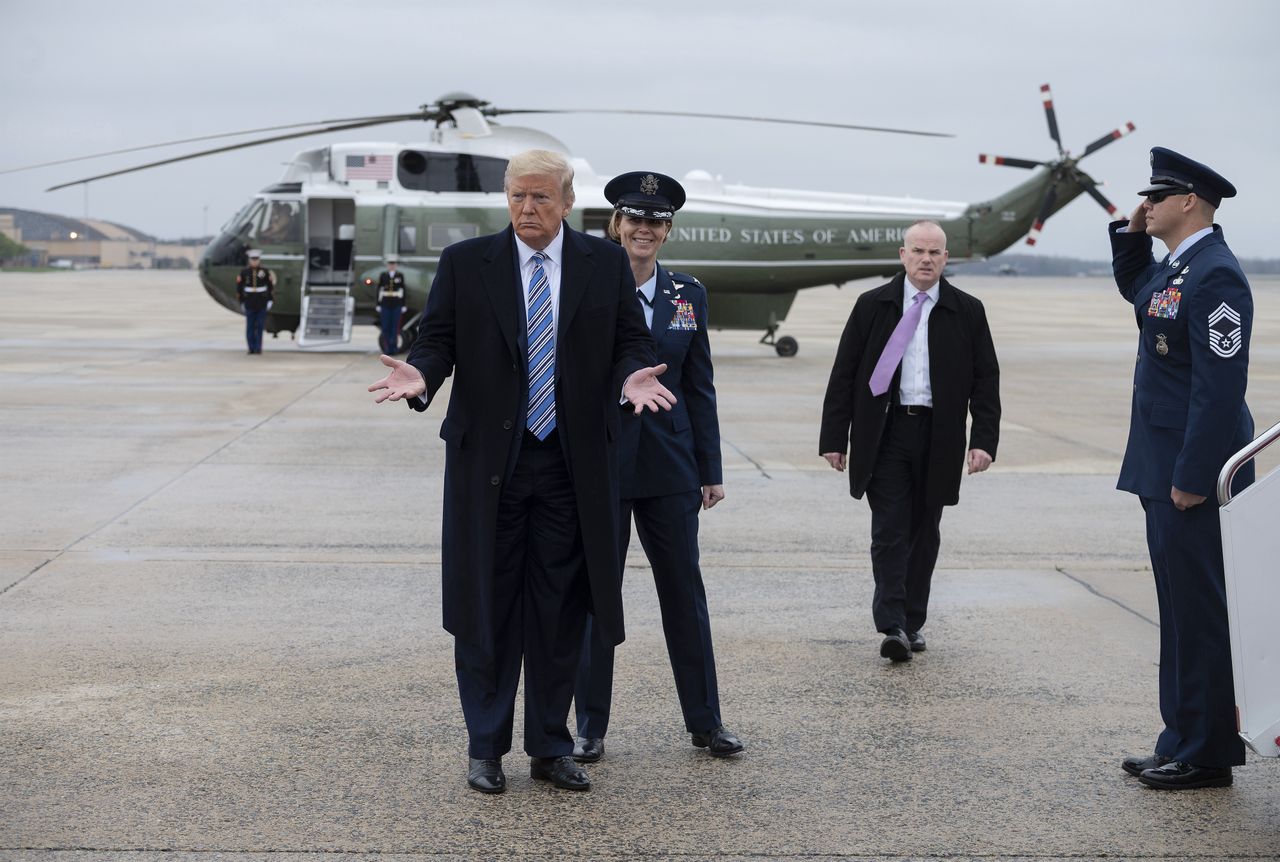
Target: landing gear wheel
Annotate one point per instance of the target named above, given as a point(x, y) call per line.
point(786, 346)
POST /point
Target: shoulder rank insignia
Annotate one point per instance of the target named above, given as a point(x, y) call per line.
point(684, 318)
point(1225, 334)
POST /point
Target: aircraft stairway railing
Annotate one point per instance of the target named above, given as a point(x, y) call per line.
point(1250, 550)
point(327, 312)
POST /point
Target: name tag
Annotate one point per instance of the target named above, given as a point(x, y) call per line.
point(1165, 304)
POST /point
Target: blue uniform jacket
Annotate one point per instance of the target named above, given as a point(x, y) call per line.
point(1195, 315)
point(672, 452)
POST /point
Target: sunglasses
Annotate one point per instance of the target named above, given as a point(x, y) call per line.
point(1156, 197)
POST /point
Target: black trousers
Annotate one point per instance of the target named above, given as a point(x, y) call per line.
point(1197, 694)
point(904, 531)
point(540, 601)
point(668, 530)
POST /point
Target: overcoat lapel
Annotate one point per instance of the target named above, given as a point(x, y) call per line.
point(496, 273)
point(575, 276)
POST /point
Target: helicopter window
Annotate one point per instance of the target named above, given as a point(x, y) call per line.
point(441, 235)
point(283, 224)
point(408, 243)
point(450, 172)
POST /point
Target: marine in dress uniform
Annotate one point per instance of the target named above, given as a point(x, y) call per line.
point(255, 287)
point(391, 306)
point(1194, 312)
point(670, 470)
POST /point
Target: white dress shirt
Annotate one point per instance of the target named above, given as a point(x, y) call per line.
point(1178, 252)
point(913, 387)
point(551, 266)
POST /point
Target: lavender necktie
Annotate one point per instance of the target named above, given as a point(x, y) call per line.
point(897, 345)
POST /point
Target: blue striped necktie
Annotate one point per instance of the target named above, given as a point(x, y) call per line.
point(542, 353)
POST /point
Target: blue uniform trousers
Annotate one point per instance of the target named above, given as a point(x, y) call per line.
point(253, 324)
point(540, 599)
point(668, 530)
point(389, 318)
point(1197, 696)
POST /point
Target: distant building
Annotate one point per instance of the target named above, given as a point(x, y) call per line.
point(67, 241)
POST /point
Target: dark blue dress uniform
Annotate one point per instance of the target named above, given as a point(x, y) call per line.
point(1188, 417)
point(666, 459)
point(391, 306)
point(255, 289)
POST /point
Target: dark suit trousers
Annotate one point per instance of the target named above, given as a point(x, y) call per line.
point(1197, 696)
point(668, 530)
point(540, 600)
point(904, 530)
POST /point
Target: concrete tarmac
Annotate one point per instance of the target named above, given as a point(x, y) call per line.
point(220, 613)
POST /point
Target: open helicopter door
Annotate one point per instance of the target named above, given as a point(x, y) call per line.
point(1250, 548)
point(327, 304)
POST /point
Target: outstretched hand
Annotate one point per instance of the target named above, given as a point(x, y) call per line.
point(404, 381)
point(643, 390)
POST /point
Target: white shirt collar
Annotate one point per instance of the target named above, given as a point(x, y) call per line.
point(552, 251)
point(650, 287)
point(909, 291)
point(1178, 252)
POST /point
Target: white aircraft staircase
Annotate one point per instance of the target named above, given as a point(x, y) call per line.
point(1251, 553)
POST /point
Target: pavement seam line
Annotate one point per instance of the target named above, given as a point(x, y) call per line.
point(136, 503)
point(1088, 586)
point(753, 461)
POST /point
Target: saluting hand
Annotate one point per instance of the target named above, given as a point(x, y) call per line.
point(712, 494)
point(836, 460)
point(404, 381)
point(643, 390)
point(978, 460)
point(1138, 221)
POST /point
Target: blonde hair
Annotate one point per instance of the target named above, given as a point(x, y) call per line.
point(544, 163)
point(611, 229)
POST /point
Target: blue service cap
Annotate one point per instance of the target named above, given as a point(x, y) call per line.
point(1174, 172)
point(254, 254)
point(645, 194)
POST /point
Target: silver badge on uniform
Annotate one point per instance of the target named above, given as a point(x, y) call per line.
point(1225, 334)
point(649, 184)
point(1162, 344)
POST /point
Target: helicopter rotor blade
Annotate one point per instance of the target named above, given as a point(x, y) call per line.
point(1046, 207)
point(1113, 135)
point(1090, 186)
point(182, 141)
point(1010, 162)
point(372, 121)
point(1052, 116)
point(493, 112)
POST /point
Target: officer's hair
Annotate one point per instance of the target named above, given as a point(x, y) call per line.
point(923, 221)
point(616, 235)
point(541, 162)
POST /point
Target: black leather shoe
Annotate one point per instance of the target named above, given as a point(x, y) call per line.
point(486, 775)
point(1177, 775)
point(560, 771)
point(896, 646)
point(1135, 766)
point(917, 641)
point(719, 742)
point(588, 750)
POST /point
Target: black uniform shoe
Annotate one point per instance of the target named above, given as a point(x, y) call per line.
point(1177, 775)
point(486, 776)
point(719, 742)
point(588, 750)
point(916, 640)
point(896, 646)
point(1135, 766)
point(560, 771)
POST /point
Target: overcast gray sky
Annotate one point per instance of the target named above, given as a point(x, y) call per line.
point(1199, 77)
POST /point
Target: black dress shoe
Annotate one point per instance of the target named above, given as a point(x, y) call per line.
point(1177, 775)
point(560, 771)
point(719, 742)
point(896, 646)
point(1135, 766)
point(917, 641)
point(486, 776)
point(588, 750)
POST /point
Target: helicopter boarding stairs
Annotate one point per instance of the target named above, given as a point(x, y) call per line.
point(327, 304)
point(1250, 550)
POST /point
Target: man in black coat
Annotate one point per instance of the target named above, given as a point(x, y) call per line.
point(900, 390)
point(540, 326)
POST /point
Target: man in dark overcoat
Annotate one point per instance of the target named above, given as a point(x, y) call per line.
point(1194, 312)
point(540, 328)
point(915, 360)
